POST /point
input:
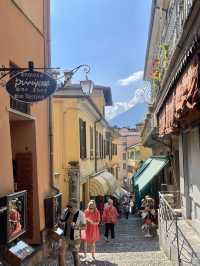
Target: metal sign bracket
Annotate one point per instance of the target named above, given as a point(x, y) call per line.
point(4, 71)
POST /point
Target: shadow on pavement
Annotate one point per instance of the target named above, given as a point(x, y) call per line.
point(129, 238)
point(98, 263)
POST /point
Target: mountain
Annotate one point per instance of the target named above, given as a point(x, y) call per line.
point(130, 117)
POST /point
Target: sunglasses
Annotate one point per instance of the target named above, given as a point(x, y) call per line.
point(69, 206)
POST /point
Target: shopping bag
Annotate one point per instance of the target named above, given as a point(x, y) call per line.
point(83, 234)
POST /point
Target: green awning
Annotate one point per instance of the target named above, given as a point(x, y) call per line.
point(149, 170)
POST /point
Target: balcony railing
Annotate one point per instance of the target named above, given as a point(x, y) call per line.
point(148, 128)
point(177, 15)
point(173, 26)
point(172, 239)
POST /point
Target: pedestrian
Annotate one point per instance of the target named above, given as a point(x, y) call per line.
point(92, 216)
point(131, 205)
point(100, 207)
point(110, 216)
point(74, 221)
point(126, 209)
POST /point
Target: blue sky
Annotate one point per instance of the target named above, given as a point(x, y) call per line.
point(109, 35)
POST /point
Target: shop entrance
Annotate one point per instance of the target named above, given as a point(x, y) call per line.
point(22, 130)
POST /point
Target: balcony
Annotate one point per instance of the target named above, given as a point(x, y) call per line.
point(169, 36)
point(177, 15)
point(149, 129)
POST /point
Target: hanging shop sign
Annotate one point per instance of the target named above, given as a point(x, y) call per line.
point(31, 86)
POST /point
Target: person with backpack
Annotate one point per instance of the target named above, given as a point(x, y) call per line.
point(109, 218)
point(74, 221)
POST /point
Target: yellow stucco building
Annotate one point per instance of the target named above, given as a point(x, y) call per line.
point(136, 155)
point(81, 134)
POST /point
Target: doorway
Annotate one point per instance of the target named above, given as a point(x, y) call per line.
point(23, 144)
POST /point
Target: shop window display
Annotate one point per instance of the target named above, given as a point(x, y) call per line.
point(12, 216)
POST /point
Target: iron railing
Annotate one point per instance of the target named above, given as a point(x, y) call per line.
point(172, 239)
point(177, 15)
point(170, 33)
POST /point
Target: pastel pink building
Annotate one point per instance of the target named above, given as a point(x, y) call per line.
point(127, 137)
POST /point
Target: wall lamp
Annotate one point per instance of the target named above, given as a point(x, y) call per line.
point(86, 85)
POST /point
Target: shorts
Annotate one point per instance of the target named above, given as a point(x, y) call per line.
point(72, 245)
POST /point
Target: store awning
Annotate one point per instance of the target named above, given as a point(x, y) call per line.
point(103, 184)
point(98, 186)
point(120, 192)
point(111, 181)
point(149, 170)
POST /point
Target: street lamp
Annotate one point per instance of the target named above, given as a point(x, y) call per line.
point(86, 85)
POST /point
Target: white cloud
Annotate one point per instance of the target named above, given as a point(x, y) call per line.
point(141, 95)
point(136, 76)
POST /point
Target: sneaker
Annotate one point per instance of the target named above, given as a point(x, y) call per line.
point(106, 239)
point(148, 235)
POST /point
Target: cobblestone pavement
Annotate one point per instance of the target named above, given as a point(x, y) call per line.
point(130, 248)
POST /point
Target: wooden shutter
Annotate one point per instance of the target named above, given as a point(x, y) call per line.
point(91, 142)
point(81, 137)
point(101, 146)
point(97, 144)
point(104, 149)
point(83, 147)
point(84, 140)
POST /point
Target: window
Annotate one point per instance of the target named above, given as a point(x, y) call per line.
point(124, 156)
point(104, 149)
point(97, 144)
point(115, 149)
point(83, 148)
point(91, 143)
point(107, 147)
point(124, 166)
point(137, 155)
point(112, 171)
point(100, 146)
point(117, 173)
point(130, 169)
point(14, 104)
point(110, 149)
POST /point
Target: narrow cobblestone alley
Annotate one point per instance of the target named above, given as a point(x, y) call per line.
point(130, 248)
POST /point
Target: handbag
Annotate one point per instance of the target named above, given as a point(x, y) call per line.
point(83, 234)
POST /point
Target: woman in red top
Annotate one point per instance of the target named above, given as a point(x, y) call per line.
point(110, 216)
point(92, 216)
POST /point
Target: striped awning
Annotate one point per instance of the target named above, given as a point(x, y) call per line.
point(149, 170)
point(102, 184)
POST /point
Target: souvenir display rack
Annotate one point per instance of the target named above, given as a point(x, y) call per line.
point(13, 224)
point(53, 209)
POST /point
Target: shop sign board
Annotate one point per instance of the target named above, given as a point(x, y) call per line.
point(31, 86)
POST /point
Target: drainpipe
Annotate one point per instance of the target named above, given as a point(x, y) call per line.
point(47, 63)
point(51, 148)
point(95, 144)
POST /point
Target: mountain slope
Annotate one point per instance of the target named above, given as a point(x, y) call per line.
point(131, 117)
